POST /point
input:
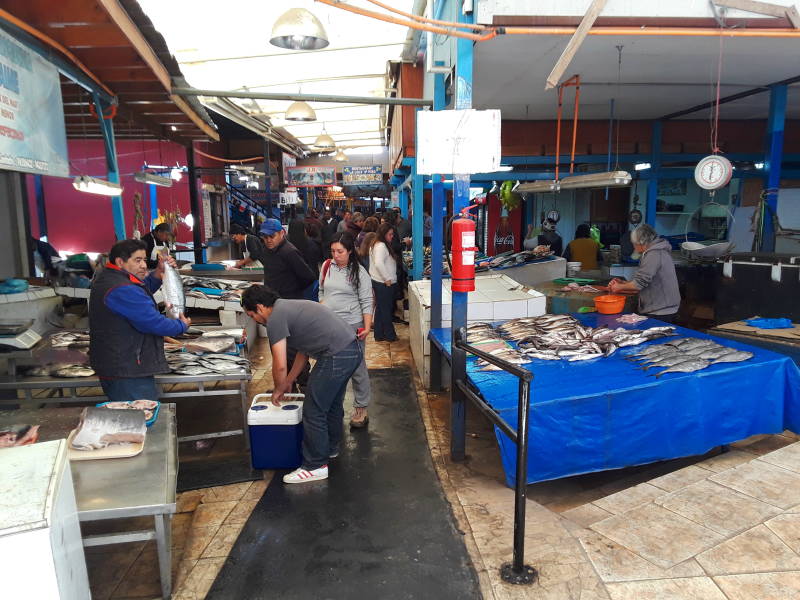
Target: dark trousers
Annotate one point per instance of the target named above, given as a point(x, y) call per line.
point(384, 309)
point(126, 389)
point(665, 318)
point(323, 408)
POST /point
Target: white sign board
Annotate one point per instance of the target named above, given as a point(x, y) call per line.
point(208, 230)
point(395, 198)
point(458, 141)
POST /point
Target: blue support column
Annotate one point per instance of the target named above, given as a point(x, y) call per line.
point(655, 167)
point(153, 206)
point(438, 211)
point(402, 200)
point(773, 162)
point(417, 246)
point(41, 208)
point(107, 127)
point(458, 414)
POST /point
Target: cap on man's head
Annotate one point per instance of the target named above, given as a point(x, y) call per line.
point(237, 229)
point(270, 227)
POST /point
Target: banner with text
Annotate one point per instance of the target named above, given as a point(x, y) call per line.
point(33, 138)
point(367, 175)
point(310, 176)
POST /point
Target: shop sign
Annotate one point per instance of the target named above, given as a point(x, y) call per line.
point(458, 141)
point(366, 175)
point(288, 161)
point(207, 222)
point(312, 176)
point(33, 138)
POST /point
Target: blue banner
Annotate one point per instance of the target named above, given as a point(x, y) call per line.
point(368, 175)
point(33, 138)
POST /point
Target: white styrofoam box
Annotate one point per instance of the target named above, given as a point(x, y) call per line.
point(480, 311)
point(510, 310)
point(537, 306)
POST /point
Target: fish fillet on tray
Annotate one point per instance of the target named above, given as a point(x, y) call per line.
point(108, 433)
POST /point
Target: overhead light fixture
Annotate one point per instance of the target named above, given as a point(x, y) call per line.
point(252, 185)
point(298, 29)
point(758, 165)
point(542, 187)
point(340, 156)
point(641, 166)
point(173, 128)
point(300, 111)
point(151, 178)
point(244, 178)
point(324, 142)
point(92, 185)
point(596, 180)
point(176, 174)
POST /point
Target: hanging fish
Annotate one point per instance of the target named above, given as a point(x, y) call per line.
point(172, 288)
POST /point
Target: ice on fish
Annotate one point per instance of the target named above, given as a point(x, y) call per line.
point(101, 427)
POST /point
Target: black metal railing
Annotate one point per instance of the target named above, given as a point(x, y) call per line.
point(237, 194)
point(516, 572)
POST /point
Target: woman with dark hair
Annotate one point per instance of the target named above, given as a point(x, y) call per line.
point(383, 271)
point(345, 288)
point(313, 251)
point(297, 234)
point(370, 224)
point(584, 249)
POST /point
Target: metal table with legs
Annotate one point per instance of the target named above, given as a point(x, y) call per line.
point(140, 486)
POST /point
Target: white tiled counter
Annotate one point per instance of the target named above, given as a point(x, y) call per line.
point(496, 297)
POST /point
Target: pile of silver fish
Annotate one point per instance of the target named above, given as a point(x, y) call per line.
point(483, 336)
point(215, 284)
point(186, 363)
point(687, 355)
point(70, 339)
point(60, 370)
point(224, 297)
point(556, 337)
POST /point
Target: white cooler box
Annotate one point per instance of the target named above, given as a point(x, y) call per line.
point(276, 432)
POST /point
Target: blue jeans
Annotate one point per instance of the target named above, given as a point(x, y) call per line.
point(125, 389)
point(323, 408)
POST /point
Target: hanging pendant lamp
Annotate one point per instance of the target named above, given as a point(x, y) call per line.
point(340, 156)
point(324, 141)
point(300, 111)
point(298, 29)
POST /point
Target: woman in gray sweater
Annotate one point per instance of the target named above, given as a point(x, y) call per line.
point(346, 288)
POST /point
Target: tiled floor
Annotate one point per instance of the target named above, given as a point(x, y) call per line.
point(720, 527)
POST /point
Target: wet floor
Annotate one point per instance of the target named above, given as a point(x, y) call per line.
point(379, 527)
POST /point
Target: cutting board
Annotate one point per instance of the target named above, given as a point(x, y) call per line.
point(792, 335)
point(112, 451)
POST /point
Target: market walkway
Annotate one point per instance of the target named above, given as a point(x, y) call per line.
point(379, 527)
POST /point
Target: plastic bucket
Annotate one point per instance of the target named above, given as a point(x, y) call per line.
point(609, 304)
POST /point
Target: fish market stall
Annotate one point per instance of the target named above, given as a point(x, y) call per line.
point(591, 412)
point(137, 486)
point(564, 298)
point(533, 272)
point(56, 370)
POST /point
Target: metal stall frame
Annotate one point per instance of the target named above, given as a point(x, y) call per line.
point(515, 572)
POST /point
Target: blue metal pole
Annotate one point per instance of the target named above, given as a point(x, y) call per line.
point(417, 246)
point(41, 208)
point(403, 200)
point(458, 414)
point(153, 206)
point(773, 162)
point(655, 166)
point(107, 128)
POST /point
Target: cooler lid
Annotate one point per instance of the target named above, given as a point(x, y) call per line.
point(263, 412)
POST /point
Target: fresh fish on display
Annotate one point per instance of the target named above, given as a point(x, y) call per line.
point(631, 319)
point(586, 356)
point(101, 427)
point(213, 345)
point(687, 366)
point(715, 353)
point(733, 357)
point(147, 406)
point(39, 370)
point(18, 435)
point(237, 333)
point(670, 361)
point(192, 370)
point(63, 339)
point(172, 290)
point(72, 371)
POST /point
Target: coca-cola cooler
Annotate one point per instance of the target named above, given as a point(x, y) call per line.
point(763, 284)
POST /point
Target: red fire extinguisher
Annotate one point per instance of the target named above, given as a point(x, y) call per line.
point(464, 249)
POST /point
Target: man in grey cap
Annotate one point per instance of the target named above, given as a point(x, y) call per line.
point(285, 271)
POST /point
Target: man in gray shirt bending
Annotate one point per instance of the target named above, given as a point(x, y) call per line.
point(315, 332)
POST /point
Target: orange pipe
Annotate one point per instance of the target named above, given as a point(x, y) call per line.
point(4, 14)
point(412, 24)
point(558, 127)
point(229, 160)
point(426, 20)
point(656, 31)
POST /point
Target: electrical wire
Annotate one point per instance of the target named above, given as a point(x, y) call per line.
point(715, 129)
point(619, 89)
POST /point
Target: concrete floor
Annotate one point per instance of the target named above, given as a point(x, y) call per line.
point(716, 527)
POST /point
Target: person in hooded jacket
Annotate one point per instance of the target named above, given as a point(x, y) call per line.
point(655, 279)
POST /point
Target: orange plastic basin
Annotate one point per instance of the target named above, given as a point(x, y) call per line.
point(609, 304)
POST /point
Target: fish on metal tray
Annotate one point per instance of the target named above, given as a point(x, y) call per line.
point(688, 366)
point(733, 357)
point(101, 427)
point(76, 370)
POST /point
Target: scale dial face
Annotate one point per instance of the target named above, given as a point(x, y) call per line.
point(554, 216)
point(713, 172)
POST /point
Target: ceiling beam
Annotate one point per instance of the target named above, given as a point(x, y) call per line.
point(87, 36)
point(764, 8)
point(574, 43)
point(180, 91)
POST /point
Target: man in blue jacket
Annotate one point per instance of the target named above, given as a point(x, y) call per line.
point(125, 326)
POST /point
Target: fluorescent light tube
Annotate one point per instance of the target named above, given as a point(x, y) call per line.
point(145, 177)
point(92, 185)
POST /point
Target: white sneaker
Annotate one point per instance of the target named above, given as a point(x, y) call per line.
point(301, 475)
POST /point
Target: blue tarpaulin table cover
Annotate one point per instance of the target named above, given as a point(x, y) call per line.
point(595, 415)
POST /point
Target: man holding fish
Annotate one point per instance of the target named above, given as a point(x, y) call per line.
point(125, 326)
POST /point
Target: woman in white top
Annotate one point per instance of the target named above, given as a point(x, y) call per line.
point(345, 288)
point(383, 271)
